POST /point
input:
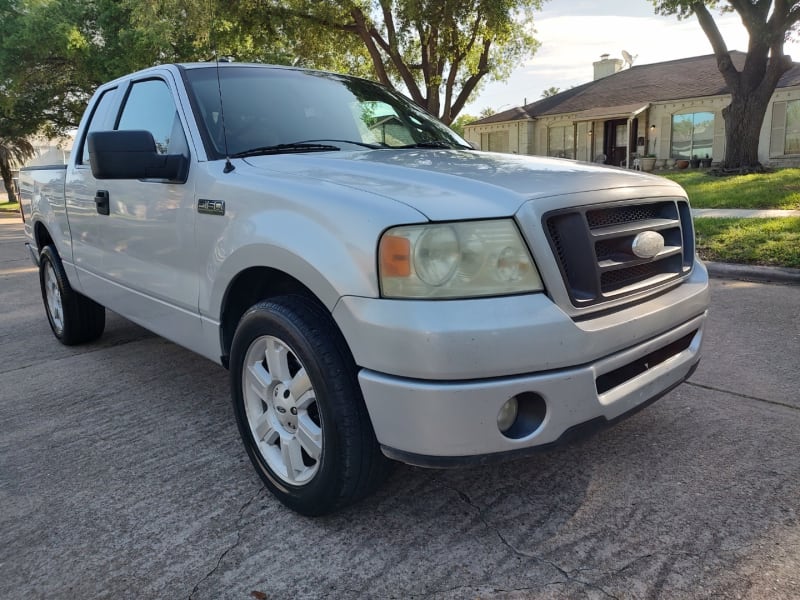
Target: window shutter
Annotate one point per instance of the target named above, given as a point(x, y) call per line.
point(582, 153)
point(542, 149)
point(666, 135)
point(777, 137)
point(718, 150)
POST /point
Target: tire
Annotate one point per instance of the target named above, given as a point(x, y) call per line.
point(74, 318)
point(299, 407)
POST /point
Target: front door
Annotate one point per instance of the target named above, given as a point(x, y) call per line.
point(137, 256)
point(615, 141)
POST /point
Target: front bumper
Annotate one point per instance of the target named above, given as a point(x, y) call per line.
point(439, 423)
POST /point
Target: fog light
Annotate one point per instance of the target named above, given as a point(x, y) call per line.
point(507, 415)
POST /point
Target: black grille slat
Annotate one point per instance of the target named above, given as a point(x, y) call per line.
point(633, 227)
point(593, 248)
point(617, 215)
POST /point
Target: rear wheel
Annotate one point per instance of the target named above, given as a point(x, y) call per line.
point(74, 318)
point(299, 407)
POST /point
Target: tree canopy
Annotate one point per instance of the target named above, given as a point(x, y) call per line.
point(54, 53)
point(769, 24)
point(551, 91)
point(437, 51)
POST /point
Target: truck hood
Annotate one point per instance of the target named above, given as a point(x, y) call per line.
point(463, 184)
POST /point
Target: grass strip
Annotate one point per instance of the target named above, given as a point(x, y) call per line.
point(771, 242)
point(11, 207)
point(778, 189)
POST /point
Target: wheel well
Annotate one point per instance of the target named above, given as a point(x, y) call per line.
point(42, 236)
point(249, 287)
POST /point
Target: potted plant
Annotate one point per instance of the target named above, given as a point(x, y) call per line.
point(648, 162)
point(705, 162)
point(695, 162)
point(681, 163)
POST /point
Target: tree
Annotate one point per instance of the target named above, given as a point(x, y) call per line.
point(769, 23)
point(13, 151)
point(460, 122)
point(487, 112)
point(551, 91)
point(437, 52)
point(54, 53)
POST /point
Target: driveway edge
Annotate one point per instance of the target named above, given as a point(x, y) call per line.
point(754, 273)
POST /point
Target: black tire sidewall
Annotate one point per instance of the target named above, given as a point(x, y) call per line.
point(49, 256)
point(334, 385)
point(83, 318)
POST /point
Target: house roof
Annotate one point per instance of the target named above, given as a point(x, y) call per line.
point(639, 85)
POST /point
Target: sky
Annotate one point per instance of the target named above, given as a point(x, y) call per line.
point(574, 33)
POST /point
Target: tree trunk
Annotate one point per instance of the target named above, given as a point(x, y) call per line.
point(743, 119)
point(8, 180)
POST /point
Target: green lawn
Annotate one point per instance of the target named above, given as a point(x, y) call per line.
point(9, 207)
point(773, 242)
point(779, 189)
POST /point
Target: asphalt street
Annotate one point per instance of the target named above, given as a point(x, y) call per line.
point(122, 476)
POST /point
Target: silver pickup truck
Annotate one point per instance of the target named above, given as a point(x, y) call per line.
point(377, 288)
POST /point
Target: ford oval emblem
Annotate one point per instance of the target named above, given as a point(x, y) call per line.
point(647, 244)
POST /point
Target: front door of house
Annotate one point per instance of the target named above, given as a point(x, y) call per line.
point(615, 141)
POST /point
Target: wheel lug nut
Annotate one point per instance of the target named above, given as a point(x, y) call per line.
point(293, 410)
point(285, 393)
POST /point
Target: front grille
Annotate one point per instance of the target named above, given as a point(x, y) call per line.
point(593, 246)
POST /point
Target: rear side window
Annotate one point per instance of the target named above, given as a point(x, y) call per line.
point(150, 107)
point(99, 120)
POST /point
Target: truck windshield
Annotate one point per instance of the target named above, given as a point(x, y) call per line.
point(276, 108)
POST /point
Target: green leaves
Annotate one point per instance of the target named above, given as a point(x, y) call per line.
point(54, 53)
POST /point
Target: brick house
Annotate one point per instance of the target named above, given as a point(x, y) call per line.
point(672, 110)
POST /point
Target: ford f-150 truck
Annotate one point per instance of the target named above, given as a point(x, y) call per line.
point(377, 288)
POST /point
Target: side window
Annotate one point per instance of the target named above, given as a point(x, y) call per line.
point(99, 120)
point(150, 107)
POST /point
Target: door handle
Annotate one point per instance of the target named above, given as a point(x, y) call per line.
point(101, 200)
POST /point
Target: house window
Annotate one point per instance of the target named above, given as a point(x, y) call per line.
point(692, 135)
point(792, 145)
point(561, 142)
point(495, 141)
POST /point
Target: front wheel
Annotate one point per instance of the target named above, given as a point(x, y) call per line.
point(74, 318)
point(299, 407)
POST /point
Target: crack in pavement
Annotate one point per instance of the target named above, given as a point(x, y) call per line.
point(231, 547)
point(564, 573)
point(711, 388)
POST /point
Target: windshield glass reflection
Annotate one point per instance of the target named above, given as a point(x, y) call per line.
point(270, 107)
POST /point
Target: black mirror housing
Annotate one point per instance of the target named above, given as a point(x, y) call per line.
point(131, 154)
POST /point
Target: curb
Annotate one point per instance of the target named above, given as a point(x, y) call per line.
point(753, 273)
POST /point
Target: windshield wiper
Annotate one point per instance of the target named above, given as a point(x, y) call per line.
point(355, 143)
point(286, 149)
point(436, 144)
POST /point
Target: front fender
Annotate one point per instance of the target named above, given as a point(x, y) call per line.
point(324, 261)
point(323, 235)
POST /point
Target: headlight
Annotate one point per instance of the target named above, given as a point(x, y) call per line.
point(456, 260)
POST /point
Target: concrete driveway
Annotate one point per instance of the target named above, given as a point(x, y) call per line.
point(122, 476)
